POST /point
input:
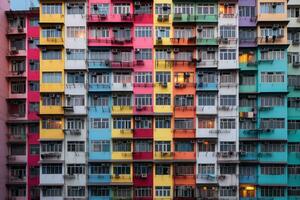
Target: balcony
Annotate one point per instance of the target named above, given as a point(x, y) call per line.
point(18, 94)
point(207, 63)
point(121, 110)
point(272, 179)
point(272, 40)
point(210, 41)
point(121, 156)
point(293, 180)
point(273, 157)
point(51, 134)
point(248, 42)
point(247, 89)
point(14, 30)
point(247, 21)
point(16, 138)
point(109, 18)
point(99, 178)
point(122, 133)
point(227, 156)
point(195, 18)
point(126, 42)
point(51, 18)
point(249, 65)
point(143, 110)
point(206, 179)
point(98, 64)
point(206, 110)
point(48, 110)
point(51, 179)
point(248, 156)
point(52, 41)
point(142, 156)
point(16, 180)
point(74, 110)
point(97, 87)
point(15, 52)
point(51, 156)
point(184, 133)
point(183, 41)
point(227, 179)
point(272, 87)
point(122, 87)
point(16, 159)
point(16, 74)
point(52, 87)
point(163, 155)
point(248, 179)
point(207, 86)
point(121, 178)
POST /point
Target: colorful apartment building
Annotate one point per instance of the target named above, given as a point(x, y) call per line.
point(23, 104)
point(168, 99)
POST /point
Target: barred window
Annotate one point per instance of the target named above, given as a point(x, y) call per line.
point(100, 168)
point(227, 146)
point(184, 169)
point(206, 169)
point(162, 9)
point(100, 191)
point(97, 100)
point(143, 31)
point(76, 32)
point(247, 102)
point(143, 122)
point(143, 77)
point(163, 77)
point(227, 54)
point(206, 122)
point(271, 101)
point(51, 8)
point(184, 123)
point(228, 31)
point(143, 192)
point(75, 169)
point(248, 79)
point(163, 146)
point(121, 146)
point(162, 54)
point(272, 147)
point(272, 169)
point(184, 146)
point(228, 100)
point(121, 169)
point(100, 9)
point(228, 191)
point(75, 54)
point(100, 145)
point(162, 32)
point(143, 99)
point(293, 124)
point(99, 123)
point(206, 99)
point(163, 99)
point(76, 146)
point(122, 123)
point(163, 191)
point(184, 100)
point(247, 124)
point(163, 122)
point(272, 54)
point(227, 123)
point(272, 77)
point(227, 169)
point(75, 9)
point(294, 191)
point(272, 123)
point(294, 147)
point(227, 77)
point(142, 146)
point(121, 8)
point(76, 191)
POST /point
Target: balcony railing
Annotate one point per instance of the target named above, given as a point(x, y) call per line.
point(16, 30)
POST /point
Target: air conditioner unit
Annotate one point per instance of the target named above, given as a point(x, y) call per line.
point(143, 175)
point(176, 50)
point(164, 84)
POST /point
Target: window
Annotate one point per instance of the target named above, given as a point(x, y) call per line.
point(34, 21)
point(100, 123)
point(74, 123)
point(272, 147)
point(163, 77)
point(228, 191)
point(51, 168)
point(228, 31)
point(227, 169)
point(248, 79)
point(100, 145)
point(184, 191)
point(162, 32)
point(75, 77)
point(100, 77)
point(272, 8)
point(184, 169)
point(34, 85)
point(143, 192)
point(272, 77)
point(34, 106)
point(143, 99)
point(143, 31)
point(272, 169)
point(51, 147)
point(271, 31)
point(272, 54)
point(34, 128)
point(228, 100)
point(228, 77)
point(121, 146)
point(100, 9)
point(293, 12)
point(52, 191)
point(271, 101)
point(121, 8)
point(207, 33)
point(206, 9)
point(33, 43)
point(51, 55)
point(163, 146)
point(143, 8)
point(99, 32)
point(18, 87)
point(75, 169)
point(272, 123)
point(142, 146)
point(75, 8)
point(247, 102)
point(293, 124)
point(122, 77)
point(205, 169)
point(162, 191)
point(51, 99)
point(247, 11)
point(76, 32)
point(51, 123)
point(143, 54)
point(51, 32)
point(227, 146)
point(205, 146)
point(121, 169)
point(75, 54)
point(75, 100)
point(183, 32)
point(293, 80)
point(100, 168)
point(34, 149)
point(142, 169)
point(162, 122)
point(294, 191)
point(122, 123)
point(227, 54)
point(75, 146)
point(163, 99)
point(34, 65)
point(143, 77)
point(294, 147)
point(247, 124)
point(34, 171)
point(206, 122)
point(143, 122)
point(162, 54)
point(184, 100)
point(184, 8)
point(162, 9)
point(227, 123)
point(123, 192)
point(17, 149)
point(184, 123)
point(184, 146)
point(206, 99)
point(294, 170)
point(51, 8)
point(122, 100)
point(162, 169)
point(97, 100)
point(76, 191)
point(100, 191)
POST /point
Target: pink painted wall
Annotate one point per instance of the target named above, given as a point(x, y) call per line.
point(32, 96)
point(3, 91)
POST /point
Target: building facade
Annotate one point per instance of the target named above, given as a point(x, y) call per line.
point(166, 99)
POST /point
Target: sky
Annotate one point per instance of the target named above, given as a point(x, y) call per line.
point(22, 4)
